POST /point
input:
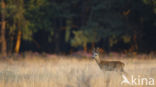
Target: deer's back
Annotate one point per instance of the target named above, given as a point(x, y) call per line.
point(111, 65)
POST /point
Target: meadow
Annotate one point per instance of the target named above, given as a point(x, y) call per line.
point(69, 71)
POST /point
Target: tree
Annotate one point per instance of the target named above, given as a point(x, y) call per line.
point(3, 29)
point(18, 25)
point(103, 20)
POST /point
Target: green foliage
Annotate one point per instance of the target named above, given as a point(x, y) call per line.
point(112, 40)
point(147, 1)
point(82, 38)
point(16, 17)
point(68, 30)
point(103, 22)
point(126, 38)
point(80, 22)
point(37, 14)
point(151, 3)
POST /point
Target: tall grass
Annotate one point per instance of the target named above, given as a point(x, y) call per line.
point(60, 71)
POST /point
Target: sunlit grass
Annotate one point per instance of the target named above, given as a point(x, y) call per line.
point(63, 71)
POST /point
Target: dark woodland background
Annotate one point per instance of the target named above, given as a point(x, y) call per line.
point(66, 26)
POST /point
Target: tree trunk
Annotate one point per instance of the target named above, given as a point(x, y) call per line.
point(3, 25)
point(18, 42)
point(57, 42)
point(85, 47)
point(10, 44)
point(57, 38)
point(93, 45)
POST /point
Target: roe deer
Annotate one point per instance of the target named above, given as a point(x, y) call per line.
point(108, 65)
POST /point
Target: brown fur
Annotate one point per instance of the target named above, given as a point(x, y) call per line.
point(108, 65)
point(112, 66)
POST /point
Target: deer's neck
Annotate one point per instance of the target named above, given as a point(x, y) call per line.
point(98, 60)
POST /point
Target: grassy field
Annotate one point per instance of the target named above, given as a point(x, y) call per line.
point(63, 71)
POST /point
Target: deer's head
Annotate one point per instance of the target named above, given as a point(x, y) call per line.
point(95, 54)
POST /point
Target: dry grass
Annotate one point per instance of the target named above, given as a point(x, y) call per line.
point(59, 71)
